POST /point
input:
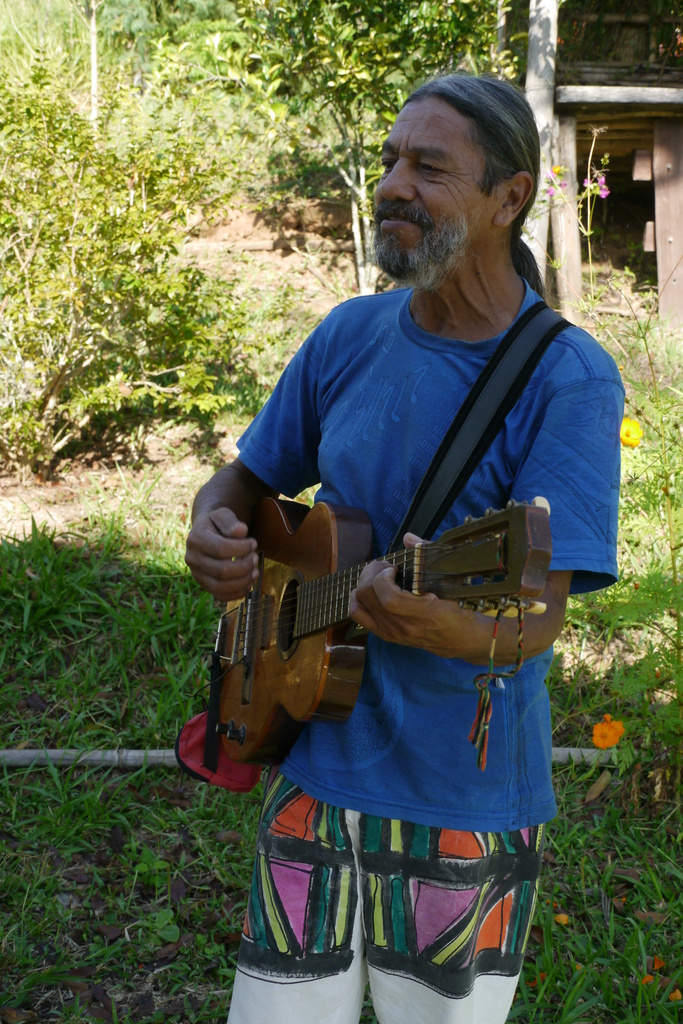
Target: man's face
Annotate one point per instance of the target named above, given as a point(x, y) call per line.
point(428, 203)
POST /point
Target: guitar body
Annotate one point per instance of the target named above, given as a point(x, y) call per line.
point(288, 652)
point(274, 681)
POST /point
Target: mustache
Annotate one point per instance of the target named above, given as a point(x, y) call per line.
point(403, 211)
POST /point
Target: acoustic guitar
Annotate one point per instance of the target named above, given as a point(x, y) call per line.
point(289, 652)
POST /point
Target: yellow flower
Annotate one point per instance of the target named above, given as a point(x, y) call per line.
point(631, 432)
point(675, 995)
point(607, 733)
point(558, 169)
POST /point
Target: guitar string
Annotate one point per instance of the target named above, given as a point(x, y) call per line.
point(323, 593)
point(318, 590)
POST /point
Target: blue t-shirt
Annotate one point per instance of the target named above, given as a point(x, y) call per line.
point(361, 409)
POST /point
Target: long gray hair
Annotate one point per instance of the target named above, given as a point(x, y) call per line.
point(504, 130)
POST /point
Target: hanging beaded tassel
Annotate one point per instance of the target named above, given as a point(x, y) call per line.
point(479, 733)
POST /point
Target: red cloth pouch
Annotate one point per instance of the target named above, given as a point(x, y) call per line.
point(236, 776)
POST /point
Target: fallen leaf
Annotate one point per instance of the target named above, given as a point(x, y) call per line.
point(175, 797)
point(177, 890)
point(37, 703)
point(536, 933)
point(562, 919)
point(549, 857)
point(598, 787)
point(142, 1005)
point(9, 1015)
point(675, 995)
point(76, 986)
point(168, 951)
point(632, 874)
point(116, 842)
point(109, 931)
point(655, 916)
point(229, 837)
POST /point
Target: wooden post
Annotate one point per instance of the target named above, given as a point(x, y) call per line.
point(667, 168)
point(540, 91)
point(564, 220)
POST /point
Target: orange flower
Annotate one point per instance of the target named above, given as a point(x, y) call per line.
point(658, 963)
point(676, 994)
point(561, 918)
point(607, 733)
point(646, 979)
point(631, 432)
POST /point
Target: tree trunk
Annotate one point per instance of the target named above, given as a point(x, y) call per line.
point(565, 224)
point(540, 91)
point(91, 12)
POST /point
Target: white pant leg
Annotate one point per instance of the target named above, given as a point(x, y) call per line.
point(399, 1000)
point(333, 1000)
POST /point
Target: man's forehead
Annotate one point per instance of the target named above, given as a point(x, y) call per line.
point(430, 127)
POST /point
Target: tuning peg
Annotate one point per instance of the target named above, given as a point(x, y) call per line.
point(542, 503)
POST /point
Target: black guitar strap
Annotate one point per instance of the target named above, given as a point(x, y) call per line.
point(480, 417)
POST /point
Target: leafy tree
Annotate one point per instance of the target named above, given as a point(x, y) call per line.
point(135, 25)
point(96, 306)
point(356, 60)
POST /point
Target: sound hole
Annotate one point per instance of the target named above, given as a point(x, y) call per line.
point(287, 619)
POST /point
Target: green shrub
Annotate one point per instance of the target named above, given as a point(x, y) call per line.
point(97, 306)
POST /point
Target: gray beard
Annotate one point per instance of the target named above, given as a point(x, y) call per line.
point(442, 250)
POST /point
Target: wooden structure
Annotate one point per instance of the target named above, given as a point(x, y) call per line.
point(622, 73)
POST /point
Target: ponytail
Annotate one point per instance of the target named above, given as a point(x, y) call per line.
point(526, 266)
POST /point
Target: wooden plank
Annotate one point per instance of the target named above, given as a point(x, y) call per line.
point(642, 165)
point(649, 237)
point(667, 167)
point(609, 95)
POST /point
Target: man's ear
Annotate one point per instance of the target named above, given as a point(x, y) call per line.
point(512, 195)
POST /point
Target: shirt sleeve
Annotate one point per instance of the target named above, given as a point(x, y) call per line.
point(281, 444)
point(574, 462)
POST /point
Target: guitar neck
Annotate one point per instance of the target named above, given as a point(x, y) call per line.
point(324, 602)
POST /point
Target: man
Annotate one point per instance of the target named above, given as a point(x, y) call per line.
point(383, 851)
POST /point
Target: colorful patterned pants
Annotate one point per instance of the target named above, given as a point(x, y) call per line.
point(435, 919)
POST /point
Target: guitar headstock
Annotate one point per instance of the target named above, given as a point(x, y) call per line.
point(497, 559)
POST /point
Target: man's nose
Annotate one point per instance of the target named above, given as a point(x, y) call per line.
point(397, 184)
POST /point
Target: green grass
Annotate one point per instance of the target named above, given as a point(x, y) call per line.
point(617, 877)
point(123, 894)
point(104, 643)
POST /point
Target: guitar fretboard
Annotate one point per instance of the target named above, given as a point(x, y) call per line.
point(324, 602)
